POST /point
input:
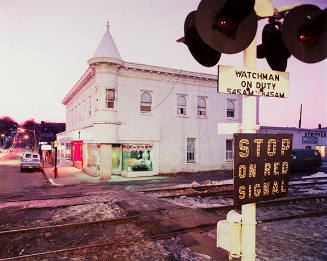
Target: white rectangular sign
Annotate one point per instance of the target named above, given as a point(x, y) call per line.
point(247, 81)
point(46, 147)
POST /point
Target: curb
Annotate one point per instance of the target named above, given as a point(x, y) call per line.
point(49, 180)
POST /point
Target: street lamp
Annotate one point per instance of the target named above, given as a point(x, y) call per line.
point(22, 130)
point(3, 138)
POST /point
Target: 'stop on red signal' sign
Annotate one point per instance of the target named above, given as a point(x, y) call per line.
point(261, 166)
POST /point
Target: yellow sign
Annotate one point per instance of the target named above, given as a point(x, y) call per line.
point(261, 166)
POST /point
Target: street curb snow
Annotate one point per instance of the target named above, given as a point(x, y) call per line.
point(50, 180)
point(53, 183)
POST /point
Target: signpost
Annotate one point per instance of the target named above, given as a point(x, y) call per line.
point(261, 166)
point(248, 81)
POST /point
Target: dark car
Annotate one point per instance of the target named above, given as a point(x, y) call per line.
point(305, 159)
point(30, 161)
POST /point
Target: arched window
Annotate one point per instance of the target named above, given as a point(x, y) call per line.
point(181, 105)
point(145, 104)
point(230, 109)
point(202, 107)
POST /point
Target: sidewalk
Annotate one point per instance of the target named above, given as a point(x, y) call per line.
point(69, 175)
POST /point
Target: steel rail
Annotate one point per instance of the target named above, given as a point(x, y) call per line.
point(201, 188)
point(270, 202)
point(69, 225)
point(221, 187)
point(98, 247)
point(135, 217)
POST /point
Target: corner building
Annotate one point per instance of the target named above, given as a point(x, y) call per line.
point(141, 120)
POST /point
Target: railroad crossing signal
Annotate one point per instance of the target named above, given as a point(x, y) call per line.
point(273, 48)
point(229, 26)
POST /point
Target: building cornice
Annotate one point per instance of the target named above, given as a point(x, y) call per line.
point(126, 66)
point(87, 76)
point(164, 70)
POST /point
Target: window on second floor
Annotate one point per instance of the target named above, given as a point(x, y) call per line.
point(146, 101)
point(110, 98)
point(230, 109)
point(181, 105)
point(202, 107)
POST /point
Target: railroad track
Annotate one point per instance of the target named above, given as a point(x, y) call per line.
point(280, 201)
point(82, 250)
point(212, 190)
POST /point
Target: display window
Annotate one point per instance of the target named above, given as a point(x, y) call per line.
point(93, 156)
point(137, 157)
point(68, 148)
point(322, 150)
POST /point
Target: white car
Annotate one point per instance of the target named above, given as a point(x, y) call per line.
point(30, 160)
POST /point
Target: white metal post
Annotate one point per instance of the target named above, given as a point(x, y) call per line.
point(249, 126)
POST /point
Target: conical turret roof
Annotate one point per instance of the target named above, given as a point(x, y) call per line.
point(107, 47)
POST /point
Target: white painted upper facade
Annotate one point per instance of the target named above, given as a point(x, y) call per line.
point(88, 117)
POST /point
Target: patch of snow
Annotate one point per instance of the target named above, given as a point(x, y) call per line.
point(319, 175)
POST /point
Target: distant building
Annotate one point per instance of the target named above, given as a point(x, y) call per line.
point(48, 131)
point(303, 138)
point(141, 120)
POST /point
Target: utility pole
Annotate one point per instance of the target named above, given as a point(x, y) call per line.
point(55, 163)
point(300, 120)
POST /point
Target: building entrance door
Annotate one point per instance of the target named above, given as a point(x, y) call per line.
point(78, 154)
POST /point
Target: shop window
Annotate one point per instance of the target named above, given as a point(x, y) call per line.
point(229, 149)
point(202, 107)
point(190, 154)
point(146, 101)
point(110, 98)
point(93, 156)
point(68, 148)
point(181, 105)
point(116, 156)
point(137, 157)
point(230, 109)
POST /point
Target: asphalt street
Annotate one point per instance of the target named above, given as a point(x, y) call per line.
point(14, 182)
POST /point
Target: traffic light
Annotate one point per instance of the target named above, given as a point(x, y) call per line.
point(304, 33)
point(272, 47)
point(202, 53)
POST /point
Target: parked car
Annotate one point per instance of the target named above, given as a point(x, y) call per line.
point(31, 161)
point(305, 159)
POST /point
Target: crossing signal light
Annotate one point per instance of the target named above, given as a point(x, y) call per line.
point(202, 53)
point(304, 33)
point(228, 26)
point(273, 48)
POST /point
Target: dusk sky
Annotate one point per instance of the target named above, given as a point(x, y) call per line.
point(45, 45)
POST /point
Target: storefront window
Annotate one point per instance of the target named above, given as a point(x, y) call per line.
point(68, 151)
point(322, 150)
point(137, 157)
point(93, 156)
point(115, 156)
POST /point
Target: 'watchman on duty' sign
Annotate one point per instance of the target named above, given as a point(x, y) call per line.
point(261, 166)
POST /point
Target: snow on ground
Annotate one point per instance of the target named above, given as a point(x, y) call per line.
point(318, 175)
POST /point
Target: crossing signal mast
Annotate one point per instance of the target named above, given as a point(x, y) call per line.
point(229, 26)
